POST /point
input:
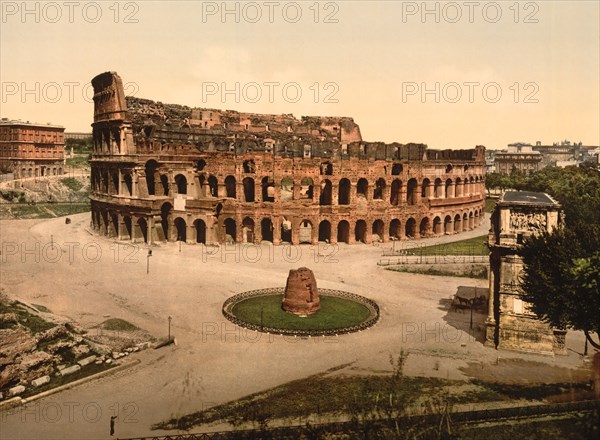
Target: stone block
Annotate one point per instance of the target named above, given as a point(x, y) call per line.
point(86, 361)
point(70, 370)
point(14, 391)
point(40, 381)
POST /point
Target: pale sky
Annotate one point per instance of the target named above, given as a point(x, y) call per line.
point(373, 58)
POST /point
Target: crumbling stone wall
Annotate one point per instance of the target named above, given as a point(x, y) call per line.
point(170, 172)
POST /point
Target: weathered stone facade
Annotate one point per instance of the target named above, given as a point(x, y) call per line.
point(510, 323)
point(31, 150)
point(169, 172)
point(301, 295)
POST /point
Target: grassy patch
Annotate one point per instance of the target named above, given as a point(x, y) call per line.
point(33, 322)
point(41, 210)
point(79, 161)
point(335, 313)
point(72, 183)
point(313, 395)
point(470, 246)
point(478, 273)
point(118, 324)
point(42, 308)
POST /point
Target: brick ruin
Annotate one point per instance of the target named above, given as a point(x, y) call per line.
point(301, 296)
point(510, 323)
point(163, 172)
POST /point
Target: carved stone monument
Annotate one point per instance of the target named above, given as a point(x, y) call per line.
point(301, 296)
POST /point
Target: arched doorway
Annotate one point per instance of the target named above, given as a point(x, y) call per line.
point(181, 183)
point(360, 231)
point(410, 229)
point(396, 192)
point(143, 226)
point(150, 169)
point(448, 226)
point(343, 235)
point(379, 190)
point(411, 192)
point(378, 229)
point(395, 229)
point(344, 192)
point(268, 190)
point(266, 229)
point(128, 228)
point(325, 198)
point(325, 231)
point(437, 226)
point(362, 188)
point(230, 187)
point(305, 232)
point(424, 227)
point(286, 231)
point(230, 230)
point(165, 214)
point(457, 223)
point(248, 184)
point(248, 230)
point(200, 231)
point(181, 229)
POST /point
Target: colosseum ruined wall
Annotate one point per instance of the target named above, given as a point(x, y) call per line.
point(163, 172)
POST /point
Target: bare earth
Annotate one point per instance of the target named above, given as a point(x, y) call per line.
point(214, 361)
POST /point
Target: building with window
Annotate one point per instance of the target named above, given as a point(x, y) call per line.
point(31, 150)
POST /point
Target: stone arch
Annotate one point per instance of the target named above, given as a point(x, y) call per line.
point(343, 235)
point(395, 229)
point(448, 188)
point(362, 187)
point(150, 169)
point(181, 184)
point(448, 225)
point(213, 185)
point(360, 231)
point(325, 231)
point(306, 188)
point(128, 227)
point(286, 231)
point(476, 217)
point(143, 225)
point(425, 227)
point(426, 188)
point(200, 227)
point(248, 184)
point(268, 189)
point(438, 228)
point(230, 230)
point(397, 169)
point(410, 228)
point(230, 187)
point(379, 190)
point(326, 190)
point(165, 218)
point(437, 188)
point(164, 181)
point(115, 182)
point(471, 220)
point(180, 228)
point(465, 222)
point(248, 230)
point(377, 229)
point(396, 192)
point(305, 231)
point(344, 192)
point(458, 188)
point(286, 191)
point(457, 223)
point(266, 229)
point(412, 191)
point(128, 184)
point(200, 165)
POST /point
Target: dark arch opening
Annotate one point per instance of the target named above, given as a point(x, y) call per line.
point(325, 231)
point(230, 230)
point(230, 187)
point(344, 192)
point(411, 192)
point(150, 167)
point(343, 235)
point(181, 183)
point(181, 227)
point(200, 231)
point(325, 198)
point(410, 229)
point(248, 184)
point(360, 231)
point(395, 229)
point(362, 187)
point(378, 229)
point(266, 229)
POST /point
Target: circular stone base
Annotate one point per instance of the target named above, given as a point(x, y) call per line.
point(341, 312)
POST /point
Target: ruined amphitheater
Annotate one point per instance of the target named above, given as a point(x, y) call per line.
point(163, 172)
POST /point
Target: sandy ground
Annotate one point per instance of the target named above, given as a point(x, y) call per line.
point(88, 279)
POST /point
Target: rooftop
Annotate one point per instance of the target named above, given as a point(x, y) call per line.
point(6, 121)
point(527, 197)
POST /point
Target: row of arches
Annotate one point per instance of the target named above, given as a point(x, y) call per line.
point(40, 171)
point(172, 227)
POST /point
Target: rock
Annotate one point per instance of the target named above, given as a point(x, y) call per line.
point(70, 370)
point(53, 333)
point(14, 391)
point(40, 381)
point(108, 361)
point(8, 318)
point(86, 361)
point(81, 349)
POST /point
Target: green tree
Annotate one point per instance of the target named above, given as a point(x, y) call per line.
point(561, 278)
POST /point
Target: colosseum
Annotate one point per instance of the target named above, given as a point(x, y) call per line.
point(163, 172)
